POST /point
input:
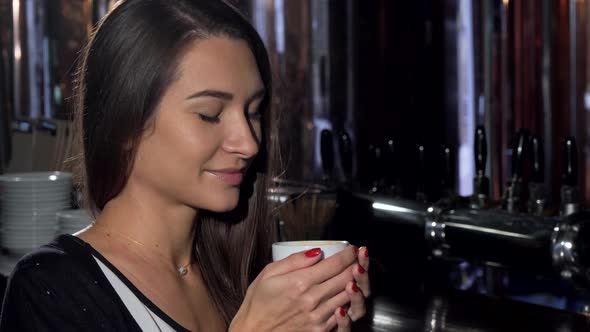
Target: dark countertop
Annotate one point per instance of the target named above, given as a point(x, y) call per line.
point(458, 311)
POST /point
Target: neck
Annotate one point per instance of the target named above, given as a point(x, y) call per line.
point(163, 227)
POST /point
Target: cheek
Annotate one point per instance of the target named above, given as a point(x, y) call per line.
point(194, 143)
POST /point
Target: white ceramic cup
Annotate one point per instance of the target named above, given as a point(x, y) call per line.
point(281, 250)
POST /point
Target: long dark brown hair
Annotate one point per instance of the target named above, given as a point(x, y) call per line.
point(130, 60)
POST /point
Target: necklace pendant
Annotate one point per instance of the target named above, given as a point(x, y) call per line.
point(182, 271)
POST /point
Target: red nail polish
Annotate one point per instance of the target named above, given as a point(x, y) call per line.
point(313, 252)
point(361, 270)
point(356, 250)
point(366, 252)
point(355, 288)
point(342, 312)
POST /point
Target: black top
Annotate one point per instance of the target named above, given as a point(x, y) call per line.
point(60, 287)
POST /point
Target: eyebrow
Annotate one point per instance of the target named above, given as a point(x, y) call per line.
point(225, 95)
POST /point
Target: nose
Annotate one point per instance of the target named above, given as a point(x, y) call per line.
point(243, 137)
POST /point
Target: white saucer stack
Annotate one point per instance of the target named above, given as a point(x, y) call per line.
point(28, 203)
point(72, 221)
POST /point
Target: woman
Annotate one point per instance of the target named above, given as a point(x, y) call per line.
point(178, 136)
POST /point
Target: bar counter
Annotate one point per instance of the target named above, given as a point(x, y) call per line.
point(458, 311)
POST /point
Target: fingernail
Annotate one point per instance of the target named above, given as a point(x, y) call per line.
point(342, 312)
point(366, 252)
point(355, 288)
point(361, 270)
point(313, 252)
point(356, 250)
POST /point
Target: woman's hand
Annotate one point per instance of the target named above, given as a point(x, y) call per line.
point(298, 293)
point(357, 290)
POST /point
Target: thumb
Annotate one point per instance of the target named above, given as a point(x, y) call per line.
point(293, 262)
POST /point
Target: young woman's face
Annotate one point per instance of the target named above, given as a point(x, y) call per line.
point(206, 130)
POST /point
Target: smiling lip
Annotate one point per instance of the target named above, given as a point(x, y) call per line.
point(232, 176)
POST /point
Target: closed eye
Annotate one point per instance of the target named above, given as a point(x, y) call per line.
point(255, 115)
point(210, 119)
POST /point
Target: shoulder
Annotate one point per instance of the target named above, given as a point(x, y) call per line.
point(60, 285)
point(61, 268)
point(64, 256)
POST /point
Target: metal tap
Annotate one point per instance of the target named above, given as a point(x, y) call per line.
point(512, 200)
point(481, 183)
point(570, 193)
point(537, 200)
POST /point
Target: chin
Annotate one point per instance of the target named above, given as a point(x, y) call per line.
point(223, 202)
point(222, 208)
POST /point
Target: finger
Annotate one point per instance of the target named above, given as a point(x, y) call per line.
point(292, 263)
point(331, 266)
point(361, 276)
point(331, 325)
point(363, 258)
point(343, 320)
point(333, 286)
point(357, 302)
point(325, 310)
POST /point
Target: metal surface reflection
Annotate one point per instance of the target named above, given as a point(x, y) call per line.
point(431, 312)
point(454, 230)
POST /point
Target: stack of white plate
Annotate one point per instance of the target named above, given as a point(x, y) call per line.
point(29, 202)
point(72, 221)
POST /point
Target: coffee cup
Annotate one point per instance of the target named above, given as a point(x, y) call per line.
point(281, 250)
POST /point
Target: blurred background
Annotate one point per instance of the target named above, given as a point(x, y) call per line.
point(449, 136)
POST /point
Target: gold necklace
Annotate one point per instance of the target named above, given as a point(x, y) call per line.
point(182, 270)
